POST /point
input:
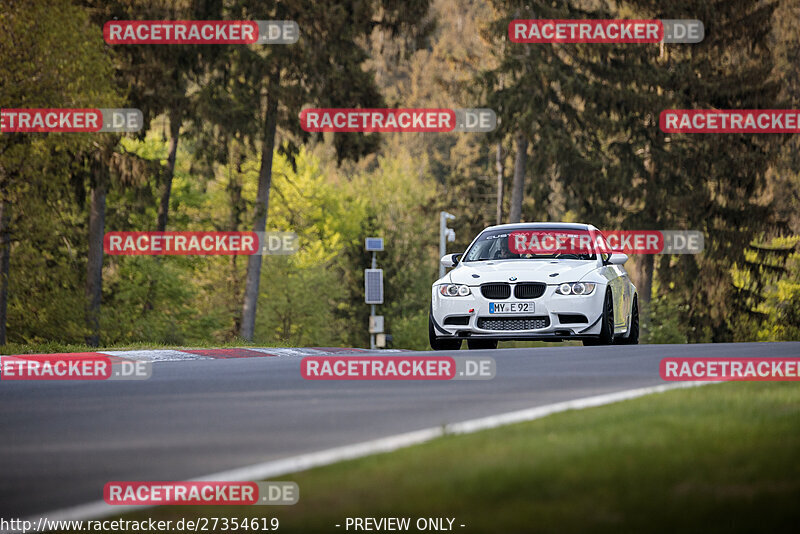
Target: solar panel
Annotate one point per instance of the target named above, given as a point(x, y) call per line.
point(374, 244)
point(373, 286)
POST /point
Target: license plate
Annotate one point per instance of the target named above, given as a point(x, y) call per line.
point(511, 307)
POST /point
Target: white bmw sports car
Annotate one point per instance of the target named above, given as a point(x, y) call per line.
point(497, 291)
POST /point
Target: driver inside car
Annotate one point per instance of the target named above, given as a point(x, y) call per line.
point(503, 253)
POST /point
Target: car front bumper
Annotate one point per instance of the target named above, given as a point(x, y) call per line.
point(552, 319)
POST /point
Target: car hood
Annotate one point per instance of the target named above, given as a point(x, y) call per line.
point(547, 271)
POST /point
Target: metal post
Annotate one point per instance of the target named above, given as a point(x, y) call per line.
point(442, 240)
point(372, 307)
point(443, 235)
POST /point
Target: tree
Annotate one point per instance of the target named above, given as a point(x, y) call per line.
point(324, 67)
point(591, 112)
point(500, 169)
point(518, 185)
point(161, 79)
point(714, 183)
point(530, 89)
point(50, 57)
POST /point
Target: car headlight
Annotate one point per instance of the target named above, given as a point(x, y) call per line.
point(576, 288)
point(454, 290)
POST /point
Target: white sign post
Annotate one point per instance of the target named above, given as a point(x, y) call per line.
point(373, 288)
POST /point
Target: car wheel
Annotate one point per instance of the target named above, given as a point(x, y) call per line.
point(478, 344)
point(607, 324)
point(633, 336)
point(439, 343)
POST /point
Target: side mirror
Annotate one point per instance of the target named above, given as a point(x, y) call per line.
point(618, 258)
point(450, 260)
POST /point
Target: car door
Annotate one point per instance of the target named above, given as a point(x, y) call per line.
point(617, 280)
point(620, 288)
point(626, 296)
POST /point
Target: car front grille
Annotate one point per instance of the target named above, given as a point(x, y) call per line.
point(513, 323)
point(529, 290)
point(496, 291)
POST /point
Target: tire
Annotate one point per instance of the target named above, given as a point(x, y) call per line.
point(633, 336)
point(478, 344)
point(606, 336)
point(438, 343)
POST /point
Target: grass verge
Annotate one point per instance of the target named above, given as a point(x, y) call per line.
point(720, 458)
point(50, 348)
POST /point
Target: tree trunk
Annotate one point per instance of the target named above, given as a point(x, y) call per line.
point(500, 183)
point(237, 209)
point(646, 265)
point(94, 265)
point(518, 186)
point(166, 191)
point(262, 206)
point(645, 268)
point(166, 187)
point(5, 261)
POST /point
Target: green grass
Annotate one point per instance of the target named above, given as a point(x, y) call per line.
point(50, 348)
point(720, 458)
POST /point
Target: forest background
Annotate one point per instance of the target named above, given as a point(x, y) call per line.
point(577, 140)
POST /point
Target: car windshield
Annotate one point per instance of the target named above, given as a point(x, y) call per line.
point(494, 245)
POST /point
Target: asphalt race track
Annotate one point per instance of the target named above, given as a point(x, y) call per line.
point(60, 442)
